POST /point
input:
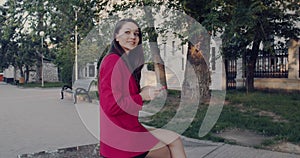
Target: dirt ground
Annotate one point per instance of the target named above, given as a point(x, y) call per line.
point(242, 137)
point(249, 138)
point(86, 151)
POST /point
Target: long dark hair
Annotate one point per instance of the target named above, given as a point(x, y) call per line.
point(135, 58)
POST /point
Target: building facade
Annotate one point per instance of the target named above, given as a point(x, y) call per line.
point(50, 74)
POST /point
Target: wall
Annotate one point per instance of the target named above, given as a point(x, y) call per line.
point(283, 84)
point(8, 74)
point(50, 72)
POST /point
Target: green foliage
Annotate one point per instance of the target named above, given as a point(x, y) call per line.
point(285, 105)
point(24, 20)
point(243, 111)
point(244, 25)
point(65, 62)
point(46, 85)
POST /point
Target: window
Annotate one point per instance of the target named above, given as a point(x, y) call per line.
point(165, 49)
point(173, 47)
point(213, 58)
point(91, 70)
point(182, 64)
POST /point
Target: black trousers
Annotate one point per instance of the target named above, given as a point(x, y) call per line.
point(142, 155)
point(139, 156)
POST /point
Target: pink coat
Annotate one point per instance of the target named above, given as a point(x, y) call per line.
point(121, 133)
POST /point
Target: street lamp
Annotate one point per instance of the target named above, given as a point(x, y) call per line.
point(76, 34)
point(42, 34)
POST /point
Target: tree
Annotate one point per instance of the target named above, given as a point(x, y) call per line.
point(198, 52)
point(15, 49)
point(62, 30)
point(25, 53)
point(247, 25)
point(26, 19)
point(9, 33)
point(2, 41)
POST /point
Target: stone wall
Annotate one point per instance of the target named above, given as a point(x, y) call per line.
point(50, 72)
point(283, 84)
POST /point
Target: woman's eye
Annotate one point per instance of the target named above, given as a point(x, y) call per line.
point(136, 34)
point(127, 32)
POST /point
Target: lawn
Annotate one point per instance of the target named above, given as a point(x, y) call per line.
point(46, 85)
point(270, 114)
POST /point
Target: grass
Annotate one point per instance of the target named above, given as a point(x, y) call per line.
point(46, 85)
point(243, 111)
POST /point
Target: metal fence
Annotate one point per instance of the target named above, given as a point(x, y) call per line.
point(272, 65)
point(231, 71)
point(267, 66)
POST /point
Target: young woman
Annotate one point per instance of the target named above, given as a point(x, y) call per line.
point(121, 99)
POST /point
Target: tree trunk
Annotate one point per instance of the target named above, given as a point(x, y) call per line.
point(197, 70)
point(38, 69)
point(40, 27)
point(27, 73)
point(21, 70)
point(159, 65)
point(251, 65)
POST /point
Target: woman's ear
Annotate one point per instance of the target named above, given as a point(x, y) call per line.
point(117, 39)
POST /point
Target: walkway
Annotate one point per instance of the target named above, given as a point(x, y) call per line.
point(35, 119)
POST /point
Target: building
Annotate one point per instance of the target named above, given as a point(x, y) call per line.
point(50, 73)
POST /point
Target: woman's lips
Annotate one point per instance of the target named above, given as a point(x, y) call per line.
point(131, 42)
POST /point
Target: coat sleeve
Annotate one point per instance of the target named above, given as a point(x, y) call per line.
point(114, 98)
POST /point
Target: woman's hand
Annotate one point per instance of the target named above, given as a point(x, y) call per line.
point(149, 92)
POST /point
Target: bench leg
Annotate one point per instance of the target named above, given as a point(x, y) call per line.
point(62, 95)
point(90, 100)
point(75, 97)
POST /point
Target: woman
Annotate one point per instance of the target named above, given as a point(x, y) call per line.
point(121, 99)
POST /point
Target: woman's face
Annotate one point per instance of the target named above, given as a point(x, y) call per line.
point(128, 36)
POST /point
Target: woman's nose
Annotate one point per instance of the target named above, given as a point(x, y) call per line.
point(132, 35)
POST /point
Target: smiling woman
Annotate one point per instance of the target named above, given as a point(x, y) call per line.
point(121, 99)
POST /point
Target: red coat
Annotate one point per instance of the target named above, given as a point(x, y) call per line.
point(121, 133)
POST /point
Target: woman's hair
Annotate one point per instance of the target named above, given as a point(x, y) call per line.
point(135, 58)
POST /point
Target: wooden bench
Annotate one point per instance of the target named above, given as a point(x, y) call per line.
point(80, 86)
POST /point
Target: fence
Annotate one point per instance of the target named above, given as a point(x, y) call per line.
point(231, 71)
point(272, 65)
point(267, 66)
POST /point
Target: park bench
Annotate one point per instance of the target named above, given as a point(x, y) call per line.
point(80, 86)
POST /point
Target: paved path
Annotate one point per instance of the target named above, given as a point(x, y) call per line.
point(34, 120)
